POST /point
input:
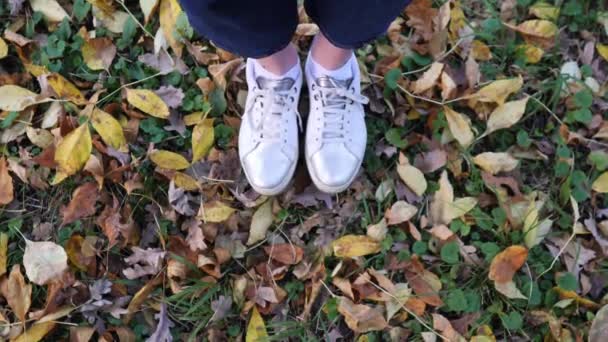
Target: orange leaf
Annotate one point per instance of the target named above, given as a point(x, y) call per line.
point(6, 184)
point(506, 263)
point(82, 203)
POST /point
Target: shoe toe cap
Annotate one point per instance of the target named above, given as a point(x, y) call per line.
point(266, 169)
point(335, 167)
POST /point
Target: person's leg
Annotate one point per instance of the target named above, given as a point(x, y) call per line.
point(262, 31)
point(336, 135)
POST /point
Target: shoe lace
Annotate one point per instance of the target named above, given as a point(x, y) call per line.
point(269, 106)
point(336, 102)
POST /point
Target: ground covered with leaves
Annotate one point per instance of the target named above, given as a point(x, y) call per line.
point(479, 214)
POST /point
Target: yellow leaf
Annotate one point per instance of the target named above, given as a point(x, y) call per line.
point(18, 294)
point(169, 160)
point(601, 183)
point(50, 9)
point(506, 263)
point(65, 89)
point(498, 91)
point(202, 139)
point(109, 129)
point(260, 222)
point(215, 212)
point(459, 126)
point(494, 162)
point(413, 178)
point(14, 98)
point(458, 208)
point(535, 231)
point(603, 51)
point(350, 246)
point(506, 115)
point(442, 198)
point(256, 329)
point(428, 79)
point(148, 7)
point(39, 137)
point(480, 51)
point(537, 32)
point(98, 53)
point(74, 150)
point(36, 332)
point(6, 184)
point(3, 252)
point(193, 118)
point(169, 12)
point(148, 102)
point(543, 10)
point(185, 182)
point(532, 53)
point(114, 22)
point(3, 48)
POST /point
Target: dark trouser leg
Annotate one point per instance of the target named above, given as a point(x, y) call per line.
point(351, 23)
point(250, 28)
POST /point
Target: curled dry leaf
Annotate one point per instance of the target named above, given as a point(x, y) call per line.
point(351, 246)
point(460, 126)
point(148, 102)
point(39, 137)
point(361, 318)
point(44, 261)
point(260, 222)
point(428, 79)
point(169, 160)
point(496, 162)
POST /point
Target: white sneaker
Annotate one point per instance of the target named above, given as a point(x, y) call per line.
point(335, 133)
point(268, 137)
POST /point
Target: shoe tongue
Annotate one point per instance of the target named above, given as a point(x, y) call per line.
point(330, 82)
point(275, 84)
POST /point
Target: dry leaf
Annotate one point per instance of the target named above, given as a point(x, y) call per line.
point(543, 10)
point(361, 318)
point(506, 115)
point(82, 203)
point(537, 32)
point(169, 12)
point(378, 231)
point(350, 246)
point(148, 7)
point(3, 253)
point(494, 162)
point(532, 53)
point(219, 71)
point(3, 48)
point(18, 293)
point(98, 53)
point(147, 101)
point(202, 139)
point(603, 51)
point(400, 212)
point(256, 329)
point(169, 160)
point(14, 98)
point(413, 178)
point(599, 185)
point(64, 89)
point(44, 261)
point(6, 183)
point(109, 129)
point(74, 150)
point(39, 137)
point(260, 222)
point(36, 332)
point(215, 212)
point(428, 79)
point(50, 9)
point(285, 253)
point(499, 91)
point(506, 263)
point(444, 208)
point(460, 127)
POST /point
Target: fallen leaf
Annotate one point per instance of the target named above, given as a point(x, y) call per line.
point(260, 222)
point(39, 137)
point(3, 253)
point(162, 333)
point(537, 31)
point(509, 289)
point(14, 98)
point(480, 51)
point(400, 212)
point(144, 262)
point(285, 253)
point(361, 318)
point(219, 71)
point(496, 162)
point(147, 101)
point(428, 79)
point(36, 332)
point(256, 329)
point(74, 150)
point(109, 129)
point(82, 204)
point(3, 48)
point(98, 53)
point(460, 127)
point(44, 261)
point(506, 263)
point(215, 212)
point(603, 51)
point(377, 231)
point(599, 326)
point(64, 89)
point(506, 115)
point(114, 22)
point(202, 139)
point(6, 183)
point(169, 160)
point(599, 185)
point(169, 12)
point(445, 327)
point(413, 178)
point(350, 246)
point(532, 53)
point(50, 9)
point(148, 7)
point(499, 91)
point(18, 294)
point(544, 10)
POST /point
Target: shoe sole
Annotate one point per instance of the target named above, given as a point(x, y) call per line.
point(277, 189)
point(328, 189)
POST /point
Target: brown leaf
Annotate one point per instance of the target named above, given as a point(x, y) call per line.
point(420, 14)
point(18, 293)
point(361, 318)
point(195, 238)
point(506, 263)
point(285, 253)
point(82, 203)
point(6, 184)
point(112, 224)
point(220, 71)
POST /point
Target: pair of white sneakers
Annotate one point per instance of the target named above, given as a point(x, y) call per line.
point(335, 135)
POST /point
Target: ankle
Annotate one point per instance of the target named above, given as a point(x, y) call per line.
point(280, 62)
point(328, 55)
